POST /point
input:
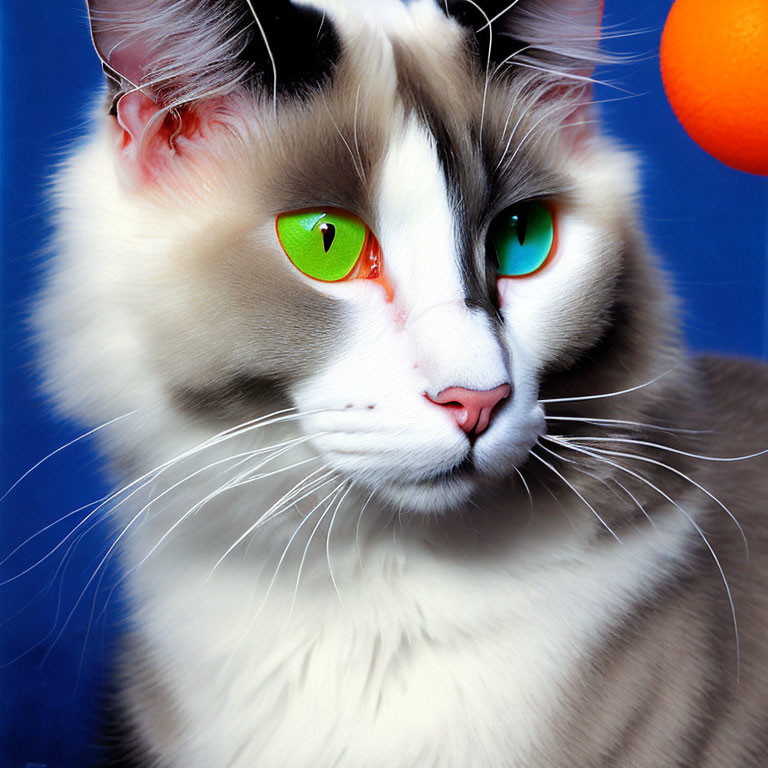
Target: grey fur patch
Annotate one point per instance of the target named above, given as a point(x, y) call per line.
point(232, 395)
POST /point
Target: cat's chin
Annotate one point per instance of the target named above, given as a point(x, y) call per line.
point(424, 500)
point(439, 495)
point(486, 467)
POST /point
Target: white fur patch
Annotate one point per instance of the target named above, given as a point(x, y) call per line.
point(419, 659)
point(390, 17)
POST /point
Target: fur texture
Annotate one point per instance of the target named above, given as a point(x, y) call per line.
point(324, 570)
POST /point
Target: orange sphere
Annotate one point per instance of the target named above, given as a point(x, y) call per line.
point(714, 61)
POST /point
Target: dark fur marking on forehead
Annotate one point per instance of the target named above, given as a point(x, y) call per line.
point(479, 186)
point(473, 19)
point(454, 130)
point(303, 41)
point(561, 37)
point(466, 182)
point(161, 37)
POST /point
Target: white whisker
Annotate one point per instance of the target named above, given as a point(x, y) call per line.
point(64, 447)
point(600, 480)
point(327, 478)
point(334, 495)
point(648, 460)
point(41, 531)
point(487, 62)
point(357, 530)
point(145, 479)
point(328, 540)
point(488, 21)
point(291, 498)
point(538, 122)
point(229, 485)
point(695, 526)
point(567, 75)
point(269, 53)
point(508, 59)
point(670, 449)
point(525, 485)
point(104, 559)
point(270, 513)
point(620, 422)
point(354, 132)
point(575, 490)
point(608, 394)
point(358, 169)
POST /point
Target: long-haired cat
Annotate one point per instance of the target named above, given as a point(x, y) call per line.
point(411, 467)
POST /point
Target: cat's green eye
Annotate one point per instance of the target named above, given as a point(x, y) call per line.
point(524, 238)
point(328, 244)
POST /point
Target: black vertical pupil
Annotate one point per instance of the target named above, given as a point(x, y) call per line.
point(329, 233)
point(520, 223)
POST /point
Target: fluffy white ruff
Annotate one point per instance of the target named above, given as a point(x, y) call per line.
point(393, 649)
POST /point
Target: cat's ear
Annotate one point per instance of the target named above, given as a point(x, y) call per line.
point(559, 37)
point(554, 44)
point(162, 59)
point(564, 34)
point(114, 37)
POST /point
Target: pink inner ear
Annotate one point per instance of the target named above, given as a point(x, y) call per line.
point(152, 137)
point(147, 138)
point(135, 112)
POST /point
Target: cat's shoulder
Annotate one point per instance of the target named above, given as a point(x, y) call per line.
point(722, 368)
point(736, 387)
point(735, 417)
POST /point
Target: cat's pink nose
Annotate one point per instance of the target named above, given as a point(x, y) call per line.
point(472, 408)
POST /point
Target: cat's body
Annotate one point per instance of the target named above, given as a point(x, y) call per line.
point(469, 648)
point(361, 578)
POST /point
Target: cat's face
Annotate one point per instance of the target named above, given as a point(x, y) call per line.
point(496, 219)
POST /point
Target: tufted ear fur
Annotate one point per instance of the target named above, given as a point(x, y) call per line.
point(555, 43)
point(177, 51)
point(560, 35)
point(564, 34)
point(174, 66)
point(164, 59)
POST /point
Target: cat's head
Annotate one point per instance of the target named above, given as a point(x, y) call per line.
point(396, 216)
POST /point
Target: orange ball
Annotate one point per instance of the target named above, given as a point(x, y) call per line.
point(714, 62)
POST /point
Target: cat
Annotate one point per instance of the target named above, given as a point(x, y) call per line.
point(411, 465)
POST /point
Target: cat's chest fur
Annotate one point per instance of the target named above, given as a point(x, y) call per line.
point(419, 659)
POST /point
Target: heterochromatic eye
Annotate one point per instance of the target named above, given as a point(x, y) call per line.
point(329, 244)
point(524, 238)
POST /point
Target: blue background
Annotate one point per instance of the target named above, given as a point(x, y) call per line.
point(709, 223)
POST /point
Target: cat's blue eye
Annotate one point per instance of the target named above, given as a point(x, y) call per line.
point(524, 238)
